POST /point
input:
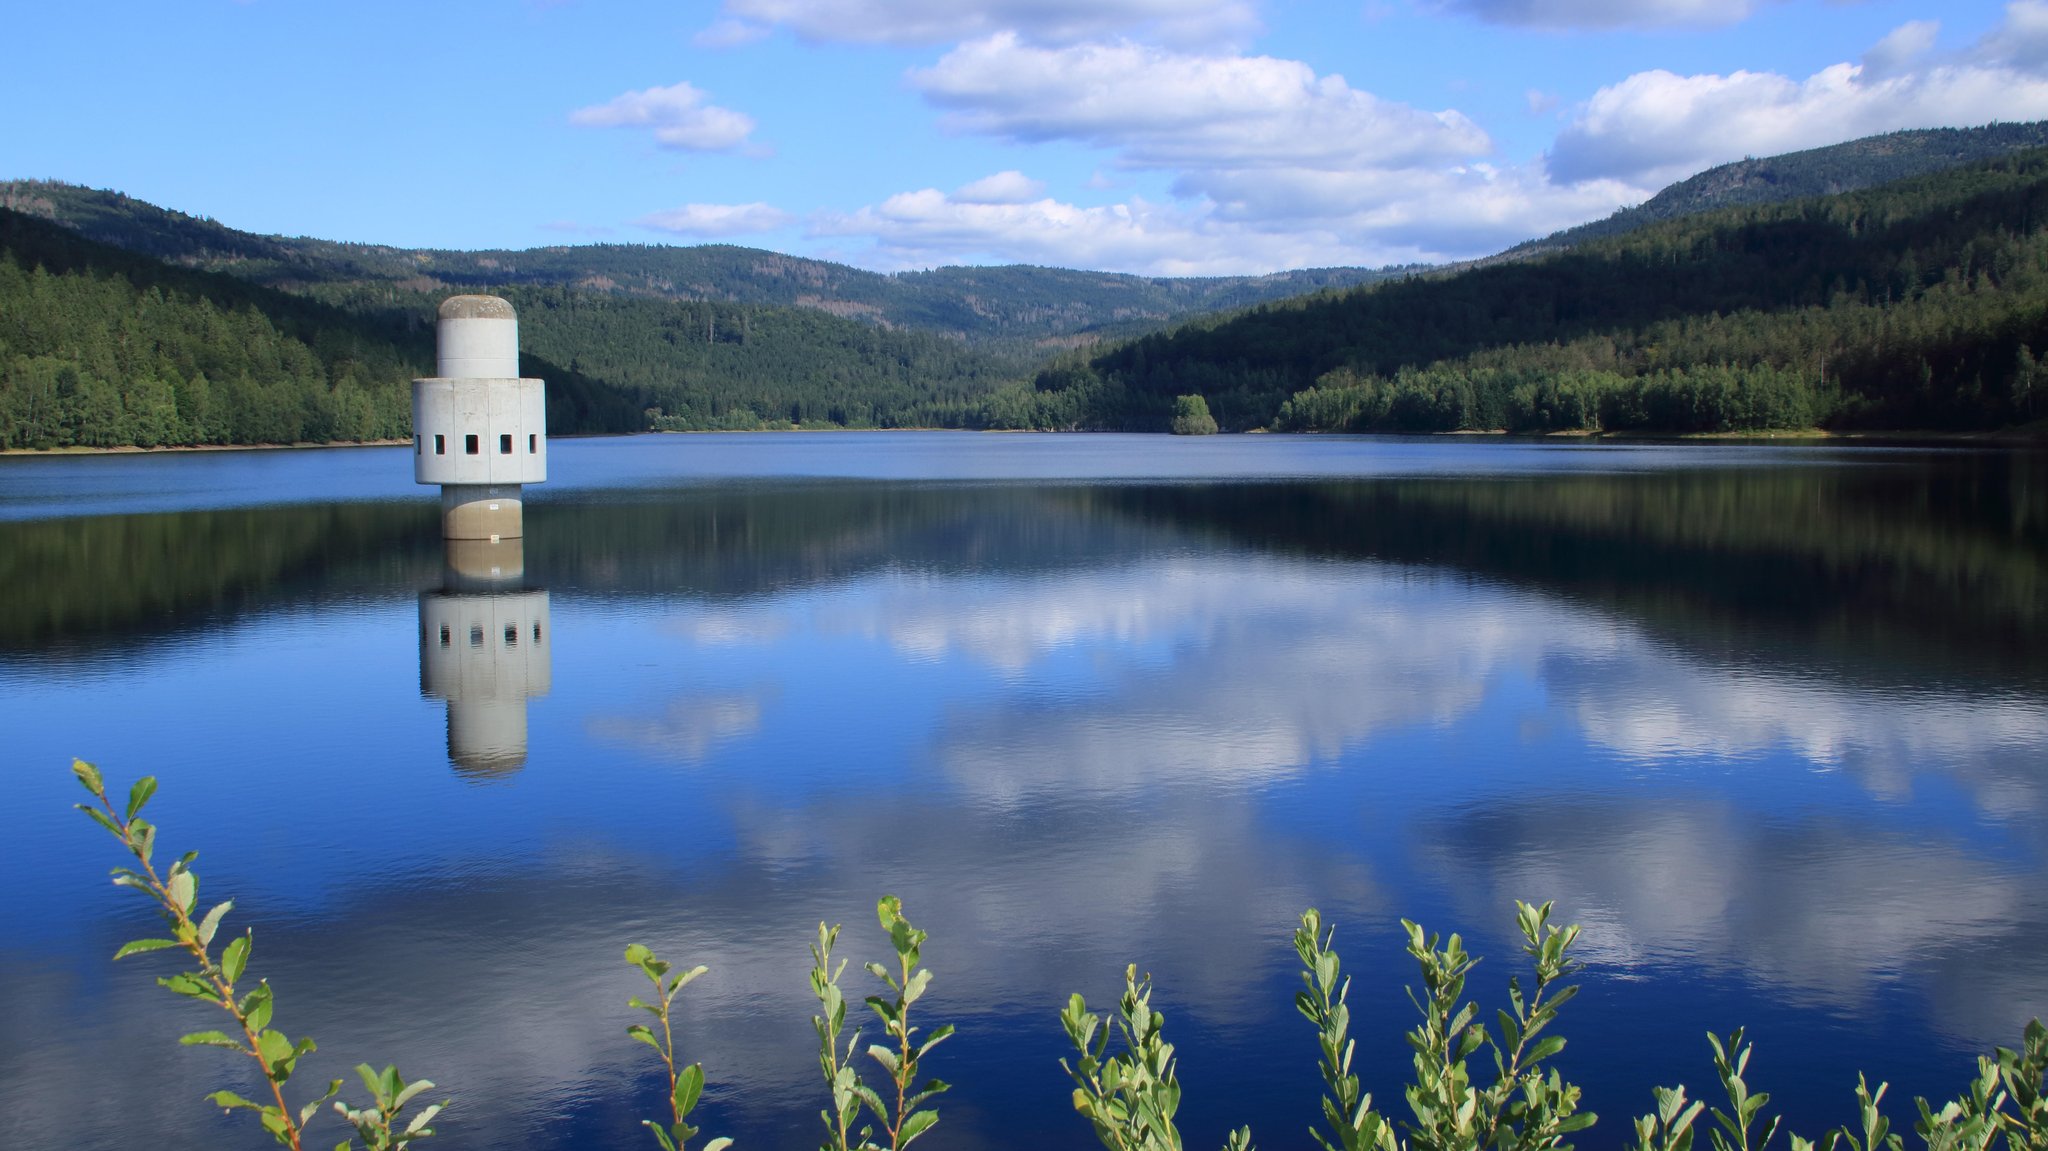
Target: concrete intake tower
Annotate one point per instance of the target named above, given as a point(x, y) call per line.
point(479, 430)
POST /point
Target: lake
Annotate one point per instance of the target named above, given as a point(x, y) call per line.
point(1771, 722)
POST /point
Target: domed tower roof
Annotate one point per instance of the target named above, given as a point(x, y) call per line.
point(476, 308)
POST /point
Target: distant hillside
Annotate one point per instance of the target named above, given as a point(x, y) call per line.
point(1849, 167)
point(1027, 309)
point(1919, 304)
point(103, 347)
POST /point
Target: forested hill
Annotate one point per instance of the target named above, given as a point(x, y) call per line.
point(1847, 167)
point(1021, 307)
point(103, 347)
point(1920, 304)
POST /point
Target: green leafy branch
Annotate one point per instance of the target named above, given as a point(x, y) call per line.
point(1348, 1112)
point(686, 1084)
point(1523, 1109)
point(2005, 1101)
point(902, 1062)
point(389, 1093)
point(1131, 1096)
point(175, 891)
point(901, 1057)
point(834, 1058)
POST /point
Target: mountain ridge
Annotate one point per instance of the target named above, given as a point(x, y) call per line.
point(1916, 304)
point(1015, 303)
point(1849, 166)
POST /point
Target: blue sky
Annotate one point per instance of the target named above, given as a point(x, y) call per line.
point(1167, 137)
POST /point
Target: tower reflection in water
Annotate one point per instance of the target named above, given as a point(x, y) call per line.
point(484, 640)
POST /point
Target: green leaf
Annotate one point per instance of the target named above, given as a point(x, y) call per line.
point(874, 1102)
point(418, 1126)
point(182, 888)
point(211, 1039)
point(914, 987)
point(279, 1054)
point(306, 1112)
point(186, 983)
point(101, 818)
point(211, 923)
point(938, 1036)
point(88, 776)
point(139, 794)
point(138, 946)
point(689, 1084)
point(640, 1031)
point(918, 1123)
point(228, 1100)
point(661, 1136)
point(257, 1005)
point(932, 1087)
point(235, 959)
point(410, 1091)
point(372, 1082)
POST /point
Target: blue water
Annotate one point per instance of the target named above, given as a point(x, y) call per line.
point(1768, 722)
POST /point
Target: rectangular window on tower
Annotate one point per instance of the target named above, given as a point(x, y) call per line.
point(505, 443)
point(469, 444)
point(418, 447)
point(532, 443)
point(440, 445)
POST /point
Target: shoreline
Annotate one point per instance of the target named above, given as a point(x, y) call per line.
point(132, 450)
point(2029, 436)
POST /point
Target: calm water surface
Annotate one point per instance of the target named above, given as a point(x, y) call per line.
point(1771, 722)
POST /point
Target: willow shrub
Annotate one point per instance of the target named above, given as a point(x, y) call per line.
point(1476, 1086)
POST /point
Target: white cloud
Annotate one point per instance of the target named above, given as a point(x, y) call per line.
point(928, 227)
point(2021, 42)
point(948, 21)
point(1654, 127)
point(710, 221)
point(679, 115)
point(1274, 167)
point(1238, 222)
point(1600, 14)
point(1278, 664)
point(1412, 214)
point(1822, 910)
point(1011, 187)
point(690, 728)
point(1160, 108)
point(1900, 48)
